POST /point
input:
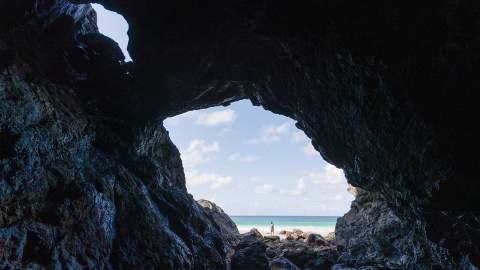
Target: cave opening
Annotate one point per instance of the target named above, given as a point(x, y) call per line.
point(85, 157)
point(258, 167)
point(114, 26)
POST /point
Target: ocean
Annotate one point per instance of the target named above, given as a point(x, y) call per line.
point(315, 224)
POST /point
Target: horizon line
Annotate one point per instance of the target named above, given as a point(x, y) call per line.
point(282, 216)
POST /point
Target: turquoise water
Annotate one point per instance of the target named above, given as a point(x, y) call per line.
point(318, 224)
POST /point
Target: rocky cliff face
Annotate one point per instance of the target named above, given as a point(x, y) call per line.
point(227, 227)
point(81, 186)
point(372, 234)
point(90, 179)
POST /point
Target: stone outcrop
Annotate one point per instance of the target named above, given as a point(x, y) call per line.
point(282, 264)
point(302, 255)
point(371, 234)
point(316, 240)
point(227, 227)
point(293, 236)
point(82, 186)
point(330, 237)
point(386, 90)
point(250, 253)
point(257, 252)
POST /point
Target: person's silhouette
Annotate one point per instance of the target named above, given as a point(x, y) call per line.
point(272, 228)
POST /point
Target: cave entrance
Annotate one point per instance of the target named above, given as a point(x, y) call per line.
point(258, 167)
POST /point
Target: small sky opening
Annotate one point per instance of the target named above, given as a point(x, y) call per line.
point(114, 26)
point(253, 162)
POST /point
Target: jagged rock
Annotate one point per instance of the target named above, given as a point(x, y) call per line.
point(305, 235)
point(297, 231)
point(82, 187)
point(254, 233)
point(295, 235)
point(303, 255)
point(384, 242)
point(385, 90)
point(250, 254)
point(342, 267)
point(269, 238)
point(330, 237)
point(316, 240)
point(282, 264)
point(227, 227)
point(282, 254)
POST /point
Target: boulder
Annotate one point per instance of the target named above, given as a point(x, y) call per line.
point(297, 231)
point(282, 264)
point(316, 240)
point(250, 254)
point(227, 227)
point(293, 236)
point(304, 235)
point(302, 255)
point(330, 237)
point(228, 230)
point(269, 238)
point(254, 233)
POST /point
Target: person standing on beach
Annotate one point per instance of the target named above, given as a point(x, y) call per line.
point(272, 228)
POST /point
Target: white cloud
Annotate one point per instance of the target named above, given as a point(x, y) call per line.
point(263, 189)
point(298, 136)
point(270, 133)
point(197, 152)
point(309, 150)
point(330, 175)
point(216, 117)
point(242, 158)
point(299, 188)
point(194, 178)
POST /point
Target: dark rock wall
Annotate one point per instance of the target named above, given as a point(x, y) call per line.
point(385, 89)
point(372, 234)
point(81, 186)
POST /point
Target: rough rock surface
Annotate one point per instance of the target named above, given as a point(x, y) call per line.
point(257, 252)
point(81, 186)
point(316, 240)
point(227, 227)
point(250, 253)
point(282, 264)
point(302, 255)
point(385, 89)
point(371, 234)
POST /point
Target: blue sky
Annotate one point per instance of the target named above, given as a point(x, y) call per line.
point(248, 160)
point(114, 26)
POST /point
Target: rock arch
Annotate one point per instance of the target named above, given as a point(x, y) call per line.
point(385, 90)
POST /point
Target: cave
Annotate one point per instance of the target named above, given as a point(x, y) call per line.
point(255, 165)
point(89, 178)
